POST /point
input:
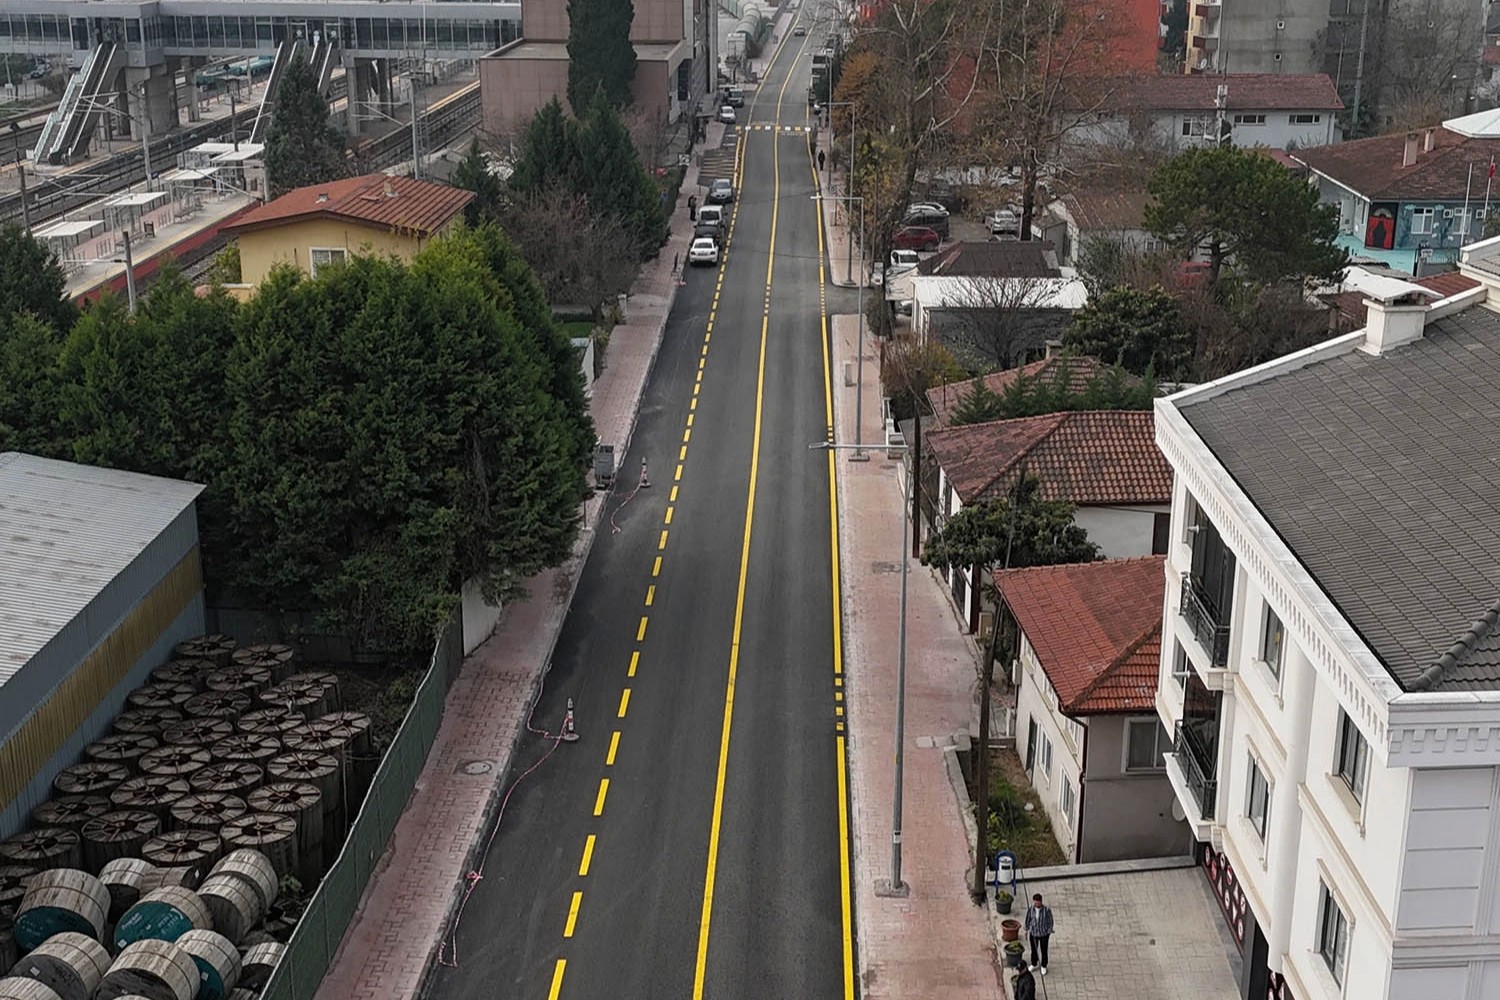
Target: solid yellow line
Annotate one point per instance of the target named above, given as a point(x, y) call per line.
point(557, 974)
point(635, 659)
point(650, 595)
point(624, 703)
point(588, 857)
point(614, 747)
point(640, 631)
point(599, 799)
point(573, 914)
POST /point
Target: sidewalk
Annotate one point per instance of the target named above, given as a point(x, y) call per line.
point(935, 944)
point(835, 233)
point(404, 911)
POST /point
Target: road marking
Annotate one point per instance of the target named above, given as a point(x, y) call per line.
point(599, 799)
point(640, 632)
point(635, 661)
point(651, 593)
point(672, 497)
point(690, 420)
point(573, 914)
point(677, 476)
point(624, 703)
point(557, 974)
point(663, 543)
point(588, 857)
point(687, 434)
point(693, 403)
point(614, 747)
point(668, 517)
point(655, 571)
point(682, 454)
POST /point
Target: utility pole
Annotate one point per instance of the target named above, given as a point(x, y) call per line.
point(1359, 70)
point(25, 208)
point(416, 144)
point(234, 124)
point(1221, 106)
point(129, 275)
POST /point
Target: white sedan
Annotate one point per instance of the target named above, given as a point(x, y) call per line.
point(703, 251)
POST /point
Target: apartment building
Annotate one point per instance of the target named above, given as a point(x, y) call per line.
point(1330, 665)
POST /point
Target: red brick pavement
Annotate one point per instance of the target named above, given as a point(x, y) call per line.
point(404, 910)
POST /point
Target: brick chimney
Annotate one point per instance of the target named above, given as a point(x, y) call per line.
point(1429, 140)
point(1409, 152)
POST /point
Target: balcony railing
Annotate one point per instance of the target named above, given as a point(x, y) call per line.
point(1211, 633)
point(1199, 767)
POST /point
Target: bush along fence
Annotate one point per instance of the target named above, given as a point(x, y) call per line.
point(314, 943)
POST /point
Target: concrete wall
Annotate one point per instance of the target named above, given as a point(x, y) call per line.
point(1034, 702)
point(1261, 36)
point(1126, 814)
point(512, 87)
point(263, 249)
point(1122, 532)
point(479, 616)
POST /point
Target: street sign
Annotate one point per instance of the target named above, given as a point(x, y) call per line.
point(684, 159)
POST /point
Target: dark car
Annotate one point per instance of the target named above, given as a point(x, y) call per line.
point(928, 217)
point(710, 230)
point(799, 31)
point(917, 238)
point(734, 97)
point(721, 192)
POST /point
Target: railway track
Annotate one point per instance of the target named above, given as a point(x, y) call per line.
point(444, 121)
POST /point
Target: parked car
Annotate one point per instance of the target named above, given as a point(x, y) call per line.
point(927, 219)
point(726, 115)
point(926, 208)
point(734, 97)
point(714, 214)
point(708, 231)
point(901, 260)
point(923, 238)
point(1002, 221)
point(799, 31)
point(703, 251)
point(721, 192)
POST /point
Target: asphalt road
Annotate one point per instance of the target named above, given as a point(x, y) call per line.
point(694, 842)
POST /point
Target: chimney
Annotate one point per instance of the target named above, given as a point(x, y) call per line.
point(1409, 153)
point(1429, 139)
point(1054, 348)
point(389, 189)
point(1393, 323)
point(322, 196)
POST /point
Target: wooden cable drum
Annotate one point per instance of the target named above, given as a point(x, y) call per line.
point(183, 849)
point(310, 737)
point(164, 914)
point(270, 721)
point(218, 962)
point(64, 899)
point(218, 648)
point(353, 726)
point(43, 849)
point(121, 748)
point(152, 793)
point(125, 879)
point(89, 778)
point(190, 672)
point(234, 904)
point(255, 937)
point(258, 963)
point(22, 988)
point(304, 803)
point(218, 705)
point(9, 953)
point(197, 732)
point(70, 811)
point(13, 879)
point(172, 878)
point(231, 777)
point(325, 680)
point(72, 964)
point(206, 810)
point(146, 721)
point(155, 969)
point(273, 835)
point(276, 657)
point(158, 695)
point(311, 767)
point(247, 748)
point(175, 760)
point(306, 700)
point(239, 678)
point(119, 834)
point(254, 869)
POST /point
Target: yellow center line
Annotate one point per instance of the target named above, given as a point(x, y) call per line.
point(557, 974)
point(624, 703)
point(635, 661)
point(682, 454)
point(667, 517)
point(640, 632)
point(663, 543)
point(677, 476)
point(614, 748)
point(650, 595)
point(693, 403)
point(599, 799)
point(687, 434)
point(573, 914)
point(588, 857)
point(655, 571)
point(672, 497)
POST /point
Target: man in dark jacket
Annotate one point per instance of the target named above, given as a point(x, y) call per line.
point(1025, 985)
point(1039, 928)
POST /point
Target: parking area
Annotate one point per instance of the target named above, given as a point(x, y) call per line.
point(1135, 935)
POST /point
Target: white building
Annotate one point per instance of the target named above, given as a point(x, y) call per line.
point(1330, 667)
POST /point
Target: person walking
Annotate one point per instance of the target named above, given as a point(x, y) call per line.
point(1025, 985)
point(1039, 928)
point(820, 161)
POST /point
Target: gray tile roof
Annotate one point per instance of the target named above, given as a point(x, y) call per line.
point(1380, 474)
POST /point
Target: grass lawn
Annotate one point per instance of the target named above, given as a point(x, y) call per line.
point(577, 328)
point(1026, 834)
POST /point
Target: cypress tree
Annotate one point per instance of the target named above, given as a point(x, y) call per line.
point(600, 55)
point(304, 147)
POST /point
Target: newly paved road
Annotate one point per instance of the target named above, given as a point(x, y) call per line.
point(693, 843)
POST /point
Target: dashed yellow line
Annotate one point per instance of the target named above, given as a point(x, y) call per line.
point(667, 518)
point(614, 747)
point(599, 799)
point(677, 476)
point(663, 543)
point(557, 977)
point(573, 914)
point(682, 454)
point(624, 704)
point(635, 661)
point(588, 857)
point(656, 568)
point(640, 631)
point(672, 497)
point(651, 590)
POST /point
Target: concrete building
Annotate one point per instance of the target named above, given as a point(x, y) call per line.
point(1256, 36)
point(99, 578)
point(1085, 676)
point(1330, 667)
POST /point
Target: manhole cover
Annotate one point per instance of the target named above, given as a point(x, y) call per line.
point(885, 567)
point(476, 767)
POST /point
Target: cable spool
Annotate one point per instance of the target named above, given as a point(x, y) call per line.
point(121, 748)
point(63, 899)
point(272, 835)
point(354, 727)
point(151, 969)
point(305, 700)
point(234, 904)
point(118, 834)
point(243, 994)
point(152, 793)
point(164, 914)
point(158, 695)
point(239, 678)
point(270, 721)
point(175, 760)
point(189, 672)
point(71, 964)
point(172, 878)
point(218, 705)
point(310, 737)
point(146, 721)
point(13, 879)
point(276, 657)
point(218, 962)
point(258, 963)
point(197, 732)
point(43, 849)
point(125, 878)
point(304, 803)
point(206, 810)
point(217, 648)
point(21, 988)
point(183, 849)
point(254, 869)
point(248, 748)
point(89, 778)
point(231, 777)
point(324, 679)
point(320, 769)
point(9, 953)
point(70, 812)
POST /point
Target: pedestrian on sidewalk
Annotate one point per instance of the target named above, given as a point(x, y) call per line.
point(1039, 928)
point(1025, 985)
point(692, 208)
point(820, 161)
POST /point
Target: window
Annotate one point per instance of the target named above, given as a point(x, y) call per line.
point(1065, 800)
point(322, 257)
point(1181, 668)
point(1258, 799)
point(1333, 933)
point(1044, 758)
point(1421, 221)
point(1161, 525)
point(1249, 119)
point(1273, 642)
point(1146, 744)
point(1354, 756)
point(1307, 119)
point(1196, 127)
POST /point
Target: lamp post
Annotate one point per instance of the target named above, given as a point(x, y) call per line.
point(859, 354)
point(894, 886)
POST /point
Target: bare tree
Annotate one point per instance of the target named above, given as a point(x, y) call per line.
point(990, 323)
point(650, 132)
point(581, 258)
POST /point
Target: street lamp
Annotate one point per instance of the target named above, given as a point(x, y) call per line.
point(894, 887)
point(859, 356)
point(849, 104)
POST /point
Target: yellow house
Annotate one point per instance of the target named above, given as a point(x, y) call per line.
point(322, 224)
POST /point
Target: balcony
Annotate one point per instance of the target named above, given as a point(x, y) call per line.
point(1206, 10)
point(1200, 768)
point(1211, 632)
point(1208, 43)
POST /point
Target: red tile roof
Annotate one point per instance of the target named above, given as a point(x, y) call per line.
point(1351, 305)
point(1372, 167)
point(1088, 458)
point(373, 200)
point(944, 399)
point(1449, 283)
point(1247, 92)
point(1095, 629)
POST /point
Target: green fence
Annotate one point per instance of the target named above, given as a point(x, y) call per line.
point(316, 940)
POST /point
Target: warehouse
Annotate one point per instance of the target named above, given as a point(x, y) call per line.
point(99, 577)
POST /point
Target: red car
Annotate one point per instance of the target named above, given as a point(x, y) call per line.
point(916, 238)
